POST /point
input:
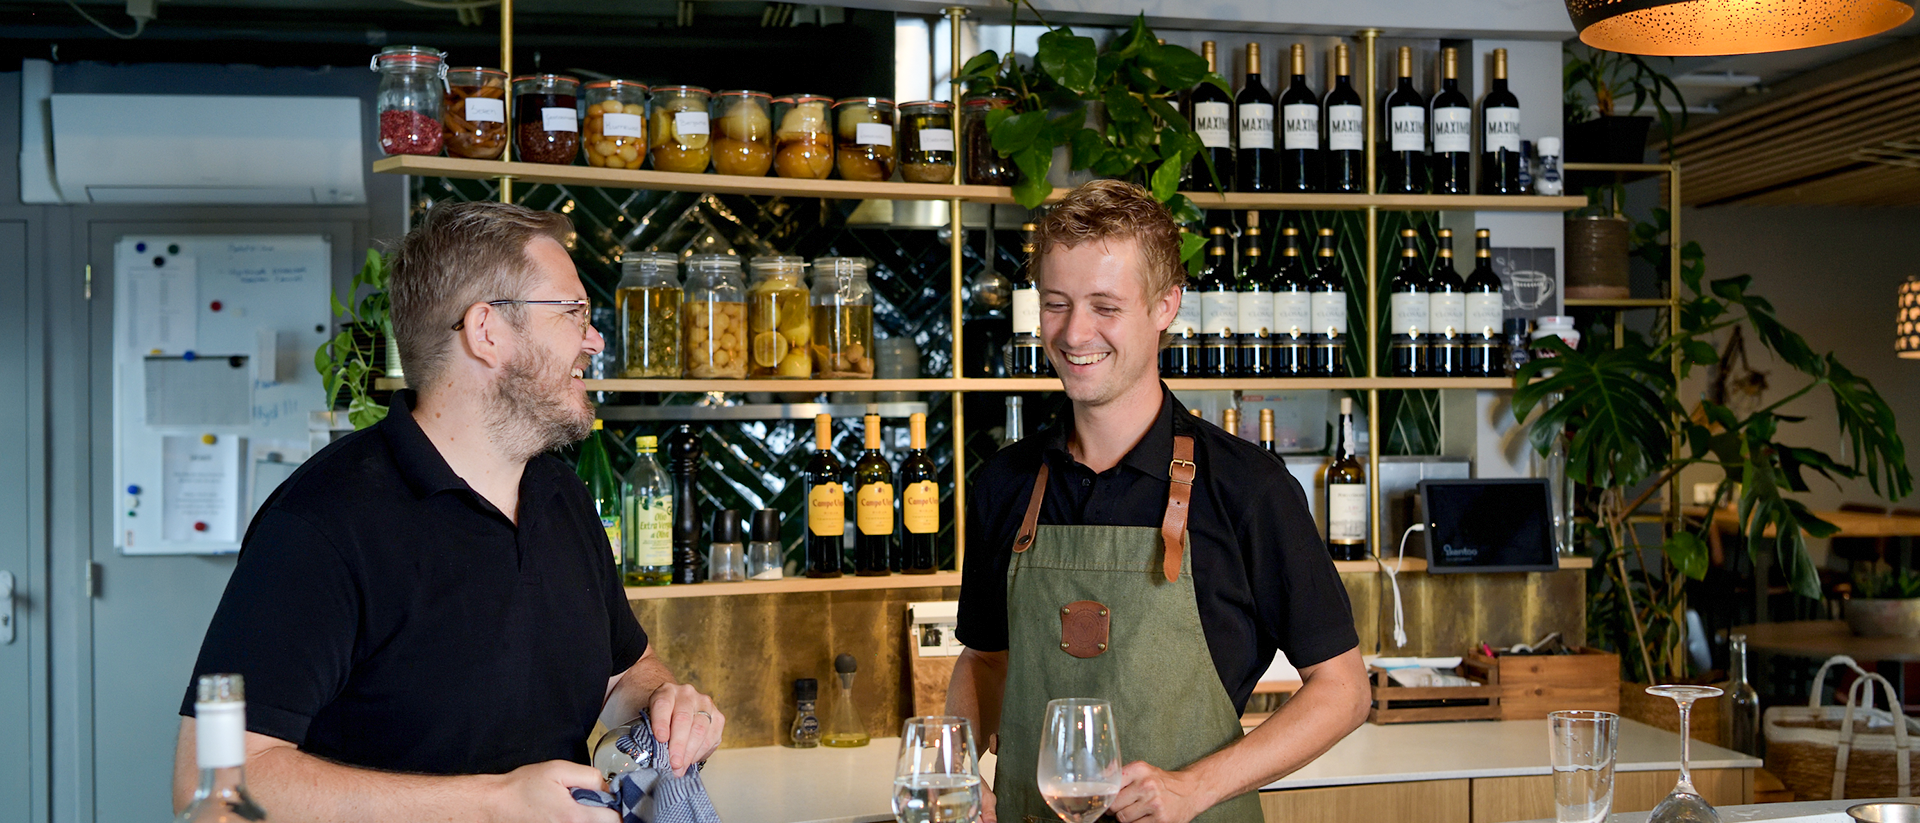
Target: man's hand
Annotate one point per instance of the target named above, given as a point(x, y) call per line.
point(988, 814)
point(1155, 796)
point(688, 722)
point(543, 792)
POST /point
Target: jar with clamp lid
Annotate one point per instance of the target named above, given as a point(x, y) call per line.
point(681, 138)
point(926, 142)
point(863, 138)
point(648, 298)
point(842, 318)
point(803, 137)
point(714, 331)
point(742, 133)
point(779, 320)
point(615, 134)
point(474, 113)
point(984, 166)
point(413, 83)
point(546, 118)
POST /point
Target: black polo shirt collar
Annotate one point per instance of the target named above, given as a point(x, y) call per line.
point(420, 463)
point(1152, 456)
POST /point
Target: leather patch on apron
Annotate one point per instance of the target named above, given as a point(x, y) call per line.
point(1083, 628)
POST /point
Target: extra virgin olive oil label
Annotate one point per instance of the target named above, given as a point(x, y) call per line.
point(1302, 125)
point(827, 510)
point(1346, 128)
point(611, 525)
point(1256, 125)
point(486, 110)
point(1214, 123)
point(921, 508)
point(874, 508)
point(1346, 513)
point(652, 531)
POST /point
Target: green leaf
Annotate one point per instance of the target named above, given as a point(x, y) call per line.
point(1868, 424)
point(1166, 181)
point(363, 412)
point(339, 308)
point(1123, 107)
point(1701, 353)
point(1088, 148)
point(1015, 133)
point(1173, 67)
point(1612, 404)
point(1067, 58)
point(984, 64)
point(1033, 188)
point(1184, 212)
point(1688, 553)
point(1191, 246)
point(1137, 39)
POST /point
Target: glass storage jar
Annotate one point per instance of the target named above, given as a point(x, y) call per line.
point(715, 311)
point(681, 140)
point(546, 118)
point(842, 304)
point(926, 142)
point(413, 79)
point(804, 136)
point(984, 167)
point(473, 116)
point(779, 320)
point(863, 138)
point(648, 298)
point(615, 134)
point(743, 135)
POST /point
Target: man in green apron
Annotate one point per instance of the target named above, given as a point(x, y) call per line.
point(1139, 555)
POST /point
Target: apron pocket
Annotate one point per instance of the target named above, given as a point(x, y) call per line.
point(1083, 628)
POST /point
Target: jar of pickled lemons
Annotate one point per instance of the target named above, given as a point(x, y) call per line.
point(842, 308)
point(742, 133)
point(804, 136)
point(714, 330)
point(648, 300)
point(680, 139)
point(615, 133)
point(779, 320)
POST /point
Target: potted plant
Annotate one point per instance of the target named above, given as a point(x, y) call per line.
point(363, 350)
point(1885, 603)
point(1594, 85)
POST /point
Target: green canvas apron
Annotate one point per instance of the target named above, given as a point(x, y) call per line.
point(1108, 612)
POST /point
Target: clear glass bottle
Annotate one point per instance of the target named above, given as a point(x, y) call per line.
point(727, 549)
point(715, 312)
point(844, 729)
point(648, 521)
point(546, 119)
point(473, 115)
point(412, 87)
point(615, 134)
point(804, 137)
point(596, 471)
point(779, 320)
point(681, 137)
point(863, 138)
point(743, 133)
point(765, 559)
point(926, 141)
point(649, 301)
point(1743, 701)
point(842, 307)
point(220, 746)
point(806, 723)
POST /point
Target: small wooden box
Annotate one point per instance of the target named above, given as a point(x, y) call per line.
point(1534, 685)
point(1401, 704)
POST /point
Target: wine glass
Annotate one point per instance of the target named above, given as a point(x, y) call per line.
point(1684, 804)
point(1079, 768)
point(937, 778)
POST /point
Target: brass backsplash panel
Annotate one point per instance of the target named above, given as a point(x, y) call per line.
point(1449, 614)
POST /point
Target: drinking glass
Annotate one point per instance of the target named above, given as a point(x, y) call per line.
point(1582, 746)
point(1079, 769)
point(937, 778)
point(1684, 804)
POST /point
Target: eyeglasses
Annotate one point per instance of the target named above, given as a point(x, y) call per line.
point(585, 307)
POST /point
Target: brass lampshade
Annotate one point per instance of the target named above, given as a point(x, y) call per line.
point(1701, 27)
point(1906, 330)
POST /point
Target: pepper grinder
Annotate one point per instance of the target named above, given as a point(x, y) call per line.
point(844, 729)
point(806, 724)
point(683, 458)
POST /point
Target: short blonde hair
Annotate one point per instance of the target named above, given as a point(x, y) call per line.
point(1117, 210)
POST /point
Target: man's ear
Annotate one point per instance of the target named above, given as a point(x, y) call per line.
point(484, 335)
point(1167, 307)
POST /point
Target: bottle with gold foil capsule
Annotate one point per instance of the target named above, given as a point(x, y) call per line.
point(1266, 432)
point(1026, 355)
point(1327, 288)
point(826, 504)
point(1219, 307)
point(1230, 421)
point(1447, 318)
point(1255, 323)
point(1403, 157)
point(1346, 150)
point(1180, 357)
point(1501, 160)
point(1210, 112)
point(1256, 168)
point(1346, 484)
point(1451, 164)
point(1407, 311)
point(1292, 310)
point(1300, 168)
point(1486, 314)
point(873, 506)
point(919, 502)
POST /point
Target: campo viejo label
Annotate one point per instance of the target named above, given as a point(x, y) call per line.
point(827, 510)
point(874, 514)
point(922, 508)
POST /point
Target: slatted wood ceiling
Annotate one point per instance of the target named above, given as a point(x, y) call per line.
point(1799, 149)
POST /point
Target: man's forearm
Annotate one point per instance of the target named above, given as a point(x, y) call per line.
point(301, 788)
point(633, 691)
point(1332, 702)
point(979, 681)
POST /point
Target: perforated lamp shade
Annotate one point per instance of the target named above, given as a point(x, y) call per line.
point(1682, 27)
point(1906, 330)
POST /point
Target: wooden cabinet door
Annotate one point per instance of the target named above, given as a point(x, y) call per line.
point(1505, 799)
point(1430, 801)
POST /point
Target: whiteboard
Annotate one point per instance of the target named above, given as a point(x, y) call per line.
point(213, 376)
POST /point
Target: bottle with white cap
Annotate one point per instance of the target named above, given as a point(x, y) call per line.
point(220, 744)
point(1547, 182)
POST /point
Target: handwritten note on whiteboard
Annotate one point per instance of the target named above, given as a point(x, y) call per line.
point(200, 489)
point(163, 293)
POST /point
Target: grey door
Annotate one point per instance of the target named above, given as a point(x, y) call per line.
point(23, 653)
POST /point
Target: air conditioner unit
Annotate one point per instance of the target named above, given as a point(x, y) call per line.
point(123, 148)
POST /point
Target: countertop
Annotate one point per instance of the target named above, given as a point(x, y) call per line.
point(1815, 811)
point(774, 784)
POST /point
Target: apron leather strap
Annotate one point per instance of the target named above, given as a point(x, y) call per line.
point(1173, 526)
point(1031, 523)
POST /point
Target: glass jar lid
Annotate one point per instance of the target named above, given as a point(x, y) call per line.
point(777, 264)
point(397, 57)
point(485, 75)
point(866, 101)
point(618, 85)
point(797, 99)
point(986, 99)
point(839, 267)
point(712, 262)
point(647, 262)
point(926, 106)
point(548, 79)
point(744, 93)
point(680, 90)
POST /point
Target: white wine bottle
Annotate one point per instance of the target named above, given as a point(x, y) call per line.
point(220, 745)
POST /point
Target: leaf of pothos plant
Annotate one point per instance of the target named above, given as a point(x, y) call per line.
point(1611, 404)
point(1033, 188)
point(1166, 181)
point(1688, 553)
point(1123, 107)
point(1184, 211)
point(1015, 133)
point(1173, 67)
point(363, 412)
point(1088, 148)
point(1067, 58)
point(1136, 39)
point(1190, 246)
point(984, 64)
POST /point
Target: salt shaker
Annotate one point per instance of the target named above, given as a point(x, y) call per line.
point(764, 557)
point(726, 554)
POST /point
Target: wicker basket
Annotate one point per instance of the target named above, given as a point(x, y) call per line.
point(1833, 752)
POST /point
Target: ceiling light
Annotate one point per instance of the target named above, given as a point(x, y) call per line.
point(1906, 329)
point(1701, 27)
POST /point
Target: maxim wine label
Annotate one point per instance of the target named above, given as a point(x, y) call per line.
point(1346, 128)
point(1408, 125)
point(1503, 129)
point(827, 510)
point(921, 508)
point(1452, 130)
point(1214, 123)
point(1302, 124)
point(1256, 126)
point(874, 509)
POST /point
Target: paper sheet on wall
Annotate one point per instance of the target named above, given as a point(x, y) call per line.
point(201, 494)
point(163, 298)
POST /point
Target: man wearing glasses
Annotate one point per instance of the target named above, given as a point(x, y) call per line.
point(428, 614)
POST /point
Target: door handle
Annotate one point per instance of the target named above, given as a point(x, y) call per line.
point(6, 614)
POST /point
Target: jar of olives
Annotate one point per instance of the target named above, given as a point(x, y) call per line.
point(474, 115)
point(778, 318)
point(680, 140)
point(984, 167)
point(546, 118)
point(743, 138)
point(412, 86)
point(805, 137)
point(715, 327)
point(615, 134)
point(926, 141)
point(842, 305)
point(863, 138)
point(648, 299)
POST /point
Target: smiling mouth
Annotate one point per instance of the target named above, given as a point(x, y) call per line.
point(1085, 360)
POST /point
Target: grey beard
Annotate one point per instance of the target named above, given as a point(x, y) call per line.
point(528, 418)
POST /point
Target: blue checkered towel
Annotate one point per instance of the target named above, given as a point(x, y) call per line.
point(650, 793)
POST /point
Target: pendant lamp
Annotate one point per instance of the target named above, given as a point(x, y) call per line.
point(1906, 329)
point(1703, 27)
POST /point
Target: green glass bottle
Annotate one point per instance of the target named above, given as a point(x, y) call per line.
point(648, 519)
point(597, 472)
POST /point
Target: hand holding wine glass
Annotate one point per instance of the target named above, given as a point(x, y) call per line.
point(937, 778)
point(1079, 762)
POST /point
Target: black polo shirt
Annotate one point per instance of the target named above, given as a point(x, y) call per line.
point(1262, 577)
point(386, 615)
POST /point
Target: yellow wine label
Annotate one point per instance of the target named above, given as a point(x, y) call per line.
point(651, 527)
point(827, 510)
point(920, 509)
point(875, 512)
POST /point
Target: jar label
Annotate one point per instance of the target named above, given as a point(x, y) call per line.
point(1346, 512)
point(1026, 311)
point(1503, 129)
point(1485, 315)
point(920, 508)
point(1219, 310)
point(875, 512)
point(1292, 313)
point(1346, 128)
point(1452, 130)
point(621, 125)
point(1409, 125)
point(873, 134)
point(688, 123)
point(1256, 313)
point(1214, 123)
point(1408, 313)
point(559, 119)
point(1187, 322)
point(827, 510)
point(1302, 121)
point(1448, 314)
point(1329, 313)
point(486, 110)
point(936, 139)
point(1256, 125)
point(652, 524)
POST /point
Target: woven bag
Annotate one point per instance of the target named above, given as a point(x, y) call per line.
point(1834, 752)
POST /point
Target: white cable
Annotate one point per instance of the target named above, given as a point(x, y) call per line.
point(1393, 580)
point(139, 23)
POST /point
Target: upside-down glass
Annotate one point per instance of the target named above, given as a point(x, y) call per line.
point(1684, 804)
point(1582, 747)
point(1079, 762)
point(937, 777)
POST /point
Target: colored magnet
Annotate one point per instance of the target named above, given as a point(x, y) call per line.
point(200, 525)
point(215, 305)
point(209, 439)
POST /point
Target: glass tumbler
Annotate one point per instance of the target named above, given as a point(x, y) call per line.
point(615, 134)
point(804, 136)
point(743, 135)
point(546, 118)
point(936, 778)
point(473, 116)
point(412, 86)
point(1582, 747)
point(681, 140)
point(926, 142)
point(863, 138)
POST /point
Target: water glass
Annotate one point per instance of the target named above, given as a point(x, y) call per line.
point(1582, 745)
point(937, 778)
point(1079, 762)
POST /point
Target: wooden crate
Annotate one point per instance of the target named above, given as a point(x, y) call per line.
point(1400, 704)
point(1534, 685)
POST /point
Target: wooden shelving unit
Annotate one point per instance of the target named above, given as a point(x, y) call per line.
point(1026, 384)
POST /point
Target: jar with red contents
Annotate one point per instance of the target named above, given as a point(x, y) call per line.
point(546, 118)
point(413, 79)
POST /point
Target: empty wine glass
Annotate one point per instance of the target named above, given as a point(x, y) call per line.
point(1684, 804)
point(937, 778)
point(1079, 769)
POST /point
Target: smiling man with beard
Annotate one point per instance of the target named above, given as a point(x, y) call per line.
point(427, 613)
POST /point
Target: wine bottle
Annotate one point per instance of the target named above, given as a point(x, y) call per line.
point(1015, 427)
point(1255, 322)
point(1219, 307)
point(1346, 154)
point(1266, 432)
point(1502, 163)
point(1346, 493)
point(1292, 310)
point(220, 746)
point(1254, 163)
point(1230, 421)
point(1407, 311)
point(596, 471)
point(1180, 357)
point(683, 459)
point(1211, 113)
point(1300, 166)
point(872, 506)
point(1743, 701)
point(1028, 358)
point(1327, 293)
point(1452, 118)
point(1447, 316)
point(919, 501)
point(648, 519)
point(826, 504)
point(1404, 158)
point(1486, 313)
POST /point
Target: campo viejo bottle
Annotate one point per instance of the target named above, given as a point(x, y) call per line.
point(826, 504)
point(919, 502)
point(220, 746)
point(872, 506)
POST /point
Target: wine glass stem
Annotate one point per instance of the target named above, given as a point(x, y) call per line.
point(1686, 745)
